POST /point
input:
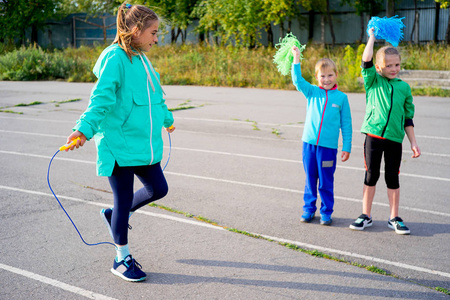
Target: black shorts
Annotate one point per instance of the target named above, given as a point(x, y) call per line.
point(373, 152)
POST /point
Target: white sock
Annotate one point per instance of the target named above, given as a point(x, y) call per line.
point(122, 252)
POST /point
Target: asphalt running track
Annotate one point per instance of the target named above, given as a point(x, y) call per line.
point(235, 161)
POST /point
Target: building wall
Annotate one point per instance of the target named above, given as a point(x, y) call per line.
point(76, 30)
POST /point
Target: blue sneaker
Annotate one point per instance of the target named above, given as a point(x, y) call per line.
point(106, 215)
point(325, 220)
point(307, 217)
point(128, 269)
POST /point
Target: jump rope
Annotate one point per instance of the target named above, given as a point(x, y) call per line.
point(67, 146)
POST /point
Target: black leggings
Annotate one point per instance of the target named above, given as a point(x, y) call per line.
point(126, 201)
point(373, 152)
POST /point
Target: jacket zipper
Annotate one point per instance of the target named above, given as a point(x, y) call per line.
point(390, 109)
point(323, 113)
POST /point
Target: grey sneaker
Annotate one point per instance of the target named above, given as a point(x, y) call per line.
point(362, 222)
point(397, 224)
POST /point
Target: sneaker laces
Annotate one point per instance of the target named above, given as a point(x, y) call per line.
point(137, 264)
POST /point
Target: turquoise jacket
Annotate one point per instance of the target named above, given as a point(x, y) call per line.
point(327, 112)
point(125, 115)
point(389, 105)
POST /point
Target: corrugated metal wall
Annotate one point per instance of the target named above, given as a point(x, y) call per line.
point(347, 27)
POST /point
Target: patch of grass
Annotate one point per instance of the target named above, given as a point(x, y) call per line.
point(171, 210)
point(67, 101)
point(10, 111)
point(377, 270)
point(184, 105)
point(442, 290)
point(254, 124)
point(247, 233)
point(430, 91)
point(28, 104)
point(203, 219)
point(276, 132)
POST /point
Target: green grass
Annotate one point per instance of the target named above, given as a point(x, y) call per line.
point(442, 290)
point(10, 111)
point(430, 91)
point(36, 103)
point(184, 105)
point(225, 66)
point(66, 101)
point(28, 104)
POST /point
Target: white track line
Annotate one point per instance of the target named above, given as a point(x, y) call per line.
point(55, 283)
point(202, 224)
point(215, 121)
point(251, 156)
point(228, 153)
point(232, 182)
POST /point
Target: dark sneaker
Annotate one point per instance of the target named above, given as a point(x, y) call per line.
point(307, 217)
point(362, 222)
point(128, 269)
point(397, 224)
point(106, 215)
point(325, 220)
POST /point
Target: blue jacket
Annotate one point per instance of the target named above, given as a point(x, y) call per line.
point(125, 115)
point(327, 112)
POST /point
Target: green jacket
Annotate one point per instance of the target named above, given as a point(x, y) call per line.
point(126, 126)
point(389, 105)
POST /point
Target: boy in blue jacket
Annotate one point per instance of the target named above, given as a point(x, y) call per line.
point(327, 112)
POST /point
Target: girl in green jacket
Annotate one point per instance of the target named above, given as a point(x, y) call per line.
point(389, 114)
point(125, 116)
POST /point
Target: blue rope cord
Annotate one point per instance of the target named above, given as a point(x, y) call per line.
point(62, 207)
point(170, 151)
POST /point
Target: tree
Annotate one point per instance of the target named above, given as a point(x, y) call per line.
point(89, 7)
point(390, 8)
point(19, 15)
point(176, 13)
point(277, 12)
point(231, 20)
point(416, 19)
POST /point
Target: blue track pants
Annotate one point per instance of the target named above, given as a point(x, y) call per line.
point(319, 164)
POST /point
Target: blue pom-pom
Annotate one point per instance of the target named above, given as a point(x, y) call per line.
point(388, 29)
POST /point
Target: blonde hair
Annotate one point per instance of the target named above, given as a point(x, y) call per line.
point(325, 64)
point(386, 50)
point(131, 18)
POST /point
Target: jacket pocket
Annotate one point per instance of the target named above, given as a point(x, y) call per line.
point(136, 128)
point(370, 114)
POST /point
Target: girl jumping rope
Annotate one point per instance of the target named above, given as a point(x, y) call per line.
point(125, 116)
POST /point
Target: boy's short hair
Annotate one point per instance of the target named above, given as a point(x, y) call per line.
point(325, 64)
point(386, 50)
